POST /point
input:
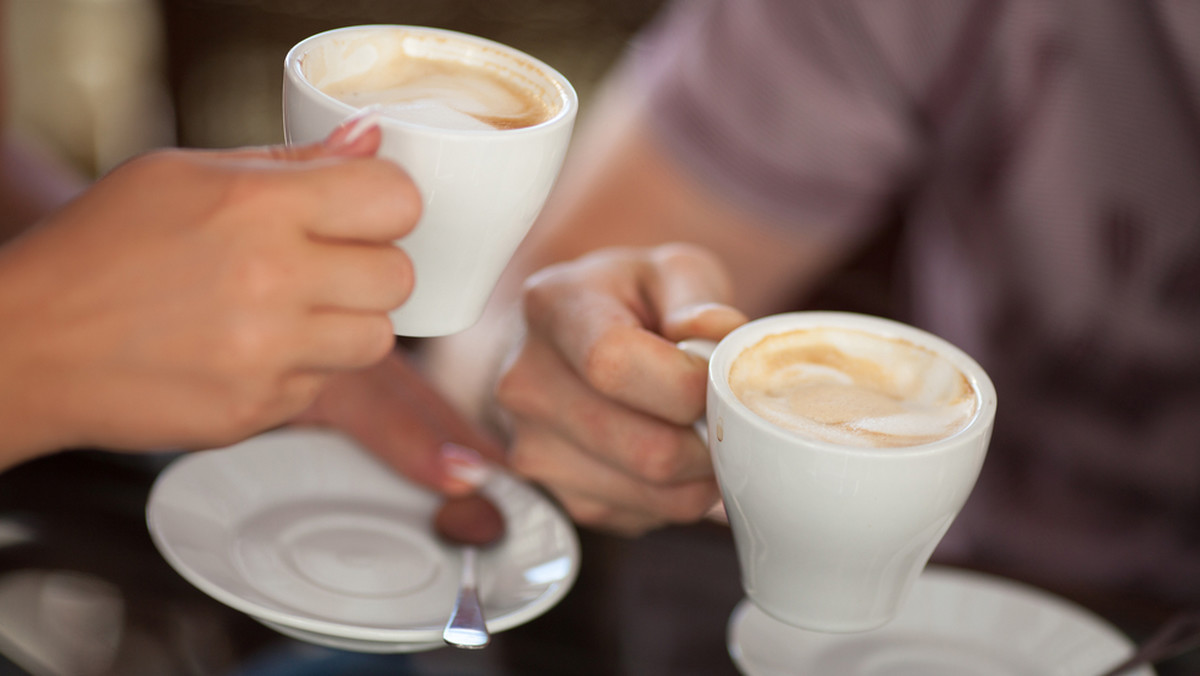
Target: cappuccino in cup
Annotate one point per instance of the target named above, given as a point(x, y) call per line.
point(421, 84)
point(481, 128)
point(844, 446)
point(853, 388)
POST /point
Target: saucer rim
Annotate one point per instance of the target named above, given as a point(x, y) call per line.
point(937, 575)
point(551, 595)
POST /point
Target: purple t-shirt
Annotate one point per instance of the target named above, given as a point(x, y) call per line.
point(1046, 155)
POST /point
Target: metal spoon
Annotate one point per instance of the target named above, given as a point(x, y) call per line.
point(1178, 635)
point(467, 627)
point(470, 522)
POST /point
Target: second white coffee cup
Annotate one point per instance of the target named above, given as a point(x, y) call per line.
point(482, 189)
point(831, 537)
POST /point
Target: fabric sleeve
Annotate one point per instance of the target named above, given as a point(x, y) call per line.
point(789, 108)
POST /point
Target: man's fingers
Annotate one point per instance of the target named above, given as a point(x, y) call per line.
point(595, 314)
point(598, 495)
point(691, 291)
point(646, 448)
point(706, 320)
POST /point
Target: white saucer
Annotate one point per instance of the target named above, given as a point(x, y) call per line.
point(955, 623)
point(305, 531)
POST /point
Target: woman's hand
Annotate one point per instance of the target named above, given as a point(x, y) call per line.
point(189, 299)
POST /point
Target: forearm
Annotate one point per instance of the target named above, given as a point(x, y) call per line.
point(27, 432)
point(620, 189)
point(28, 410)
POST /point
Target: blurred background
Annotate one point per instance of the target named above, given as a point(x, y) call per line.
point(100, 80)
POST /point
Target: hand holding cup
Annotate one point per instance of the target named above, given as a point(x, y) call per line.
point(191, 298)
point(480, 127)
point(599, 401)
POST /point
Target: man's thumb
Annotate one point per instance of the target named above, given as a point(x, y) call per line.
point(692, 290)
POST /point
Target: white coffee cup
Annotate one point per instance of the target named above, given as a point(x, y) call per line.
point(481, 189)
point(831, 537)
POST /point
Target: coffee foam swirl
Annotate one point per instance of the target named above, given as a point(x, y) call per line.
point(853, 388)
point(415, 86)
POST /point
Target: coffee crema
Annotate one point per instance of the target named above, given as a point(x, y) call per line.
point(409, 82)
point(853, 388)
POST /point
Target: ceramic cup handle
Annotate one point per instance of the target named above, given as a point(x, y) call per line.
point(703, 348)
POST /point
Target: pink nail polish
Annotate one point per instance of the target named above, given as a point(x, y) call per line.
point(465, 464)
point(354, 127)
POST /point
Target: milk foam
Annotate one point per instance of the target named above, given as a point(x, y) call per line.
point(853, 388)
point(413, 86)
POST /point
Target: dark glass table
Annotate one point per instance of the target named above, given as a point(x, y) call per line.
point(80, 581)
point(84, 591)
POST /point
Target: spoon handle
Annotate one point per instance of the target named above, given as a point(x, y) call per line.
point(466, 628)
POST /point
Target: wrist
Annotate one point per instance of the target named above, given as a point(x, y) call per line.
point(31, 404)
point(29, 429)
point(467, 366)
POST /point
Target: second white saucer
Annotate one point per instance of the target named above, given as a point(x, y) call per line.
point(955, 623)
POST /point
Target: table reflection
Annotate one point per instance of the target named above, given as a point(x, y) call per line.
point(83, 591)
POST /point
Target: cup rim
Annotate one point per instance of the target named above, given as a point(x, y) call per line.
point(751, 332)
point(568, 97)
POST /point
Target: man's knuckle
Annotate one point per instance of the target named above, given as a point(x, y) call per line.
point(691, 505)
point(590, 513)
point(538, 296)
point(657, 456)
point(524, 459)
point(606, 361)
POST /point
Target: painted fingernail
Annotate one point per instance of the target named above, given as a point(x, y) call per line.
point(465, 465)
point(354, 127)
point(717, 513)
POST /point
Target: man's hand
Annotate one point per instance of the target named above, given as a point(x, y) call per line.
point(601, 401)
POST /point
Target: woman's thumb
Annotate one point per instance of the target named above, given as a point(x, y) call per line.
point(358, 136)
